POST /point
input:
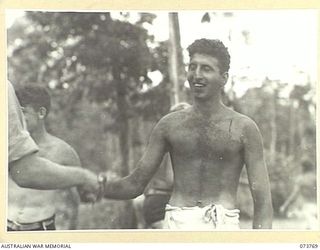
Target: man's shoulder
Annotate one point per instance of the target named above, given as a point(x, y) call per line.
point(236, 117)
point(62, 150)
point(244, 124)
point(241, 118)
point(176, 116)
point(171, 121)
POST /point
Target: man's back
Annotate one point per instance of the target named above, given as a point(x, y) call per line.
point(206, 155)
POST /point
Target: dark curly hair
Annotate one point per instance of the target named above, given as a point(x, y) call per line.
point(35, 96)
point(212, 47)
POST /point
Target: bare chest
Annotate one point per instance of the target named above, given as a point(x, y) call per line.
point(207, 139)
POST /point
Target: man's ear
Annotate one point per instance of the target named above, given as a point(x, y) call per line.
point(225, 77)
point(42, 112)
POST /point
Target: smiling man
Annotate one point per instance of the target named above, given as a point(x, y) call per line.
point(209, 145)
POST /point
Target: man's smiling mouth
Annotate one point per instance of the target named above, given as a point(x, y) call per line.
point(199, 85)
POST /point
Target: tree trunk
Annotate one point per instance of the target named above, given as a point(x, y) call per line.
point(128, 221)
point(122, 122)
point(176, 64)
point(273, 124)
point(292, 128)
point(136, 140)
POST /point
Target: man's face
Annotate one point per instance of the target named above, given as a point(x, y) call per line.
point(204, 76)
point(32, 117)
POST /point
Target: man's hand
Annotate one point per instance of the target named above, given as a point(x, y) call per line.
point(93, 188)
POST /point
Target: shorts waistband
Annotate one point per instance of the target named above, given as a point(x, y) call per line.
point(43, 224)
point(214, 212)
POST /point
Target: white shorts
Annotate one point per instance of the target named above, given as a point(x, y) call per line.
point(211, 217)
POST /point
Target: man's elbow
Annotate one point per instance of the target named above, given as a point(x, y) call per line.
point(134, 188)
point(20, 179)
point(20, 172)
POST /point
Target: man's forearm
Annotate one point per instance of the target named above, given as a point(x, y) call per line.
point(130, 186)
point(122, 189)
point(262, 218)
point(36, 172)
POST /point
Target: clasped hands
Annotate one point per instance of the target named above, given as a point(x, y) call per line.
point(92, 190)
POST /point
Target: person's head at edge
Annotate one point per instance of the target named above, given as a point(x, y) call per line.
point(36, 104)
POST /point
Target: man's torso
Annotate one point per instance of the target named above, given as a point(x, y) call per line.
point(207, 158)
point(29, 205)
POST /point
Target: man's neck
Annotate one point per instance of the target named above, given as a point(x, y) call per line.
point(209, 107)
point(39, 134)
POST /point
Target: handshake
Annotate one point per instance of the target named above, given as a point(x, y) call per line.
point(93, 188)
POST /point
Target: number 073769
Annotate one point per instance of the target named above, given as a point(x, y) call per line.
point(312, 246)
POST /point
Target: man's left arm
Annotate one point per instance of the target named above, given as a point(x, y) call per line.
point(257, 176)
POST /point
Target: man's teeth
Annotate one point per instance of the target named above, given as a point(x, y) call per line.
point(198, 85)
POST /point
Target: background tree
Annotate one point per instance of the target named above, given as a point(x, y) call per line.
point(85, 58)
point(176, 65)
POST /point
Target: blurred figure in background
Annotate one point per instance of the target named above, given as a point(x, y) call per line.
point(158, 192)
point(302, 202)
point(30, 208)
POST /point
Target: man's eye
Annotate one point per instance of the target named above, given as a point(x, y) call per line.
point(192, 67)
point(207, 68)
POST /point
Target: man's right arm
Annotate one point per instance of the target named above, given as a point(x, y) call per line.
point(32, 171)
point(133, 185)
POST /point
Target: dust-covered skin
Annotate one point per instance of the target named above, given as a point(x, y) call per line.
point(27, 205)
point(209, 144)
point(207, 153)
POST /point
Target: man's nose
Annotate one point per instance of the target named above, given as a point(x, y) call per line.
point(198, 73)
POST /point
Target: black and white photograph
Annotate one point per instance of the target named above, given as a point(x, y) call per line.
point(199, 120)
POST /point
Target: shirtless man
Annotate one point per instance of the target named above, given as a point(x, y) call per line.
point(209, 144)
point(32, 209)
point(29, 170)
